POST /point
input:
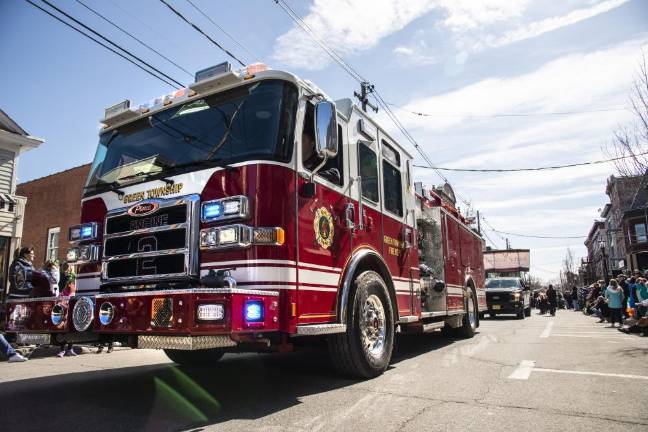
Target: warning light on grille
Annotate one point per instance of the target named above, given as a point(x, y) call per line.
point(254, 311)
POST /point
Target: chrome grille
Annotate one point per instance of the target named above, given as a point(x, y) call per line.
point(161, 245)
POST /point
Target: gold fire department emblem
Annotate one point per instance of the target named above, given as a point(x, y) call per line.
point(323, 226)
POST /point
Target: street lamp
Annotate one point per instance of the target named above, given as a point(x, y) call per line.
point(605, 268)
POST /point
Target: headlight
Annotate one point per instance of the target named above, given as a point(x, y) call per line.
point(72, 255)
point(241, 236)
point(225, 208)
point(85, 253)
point(228, 236)
point(516, 296)
point(87, 231)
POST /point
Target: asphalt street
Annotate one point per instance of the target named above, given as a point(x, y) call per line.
point(541, 373)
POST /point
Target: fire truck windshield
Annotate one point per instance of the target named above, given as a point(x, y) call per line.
point(250, 122)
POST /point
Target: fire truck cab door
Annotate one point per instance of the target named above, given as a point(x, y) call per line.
point(324, 242)
point(379, 193)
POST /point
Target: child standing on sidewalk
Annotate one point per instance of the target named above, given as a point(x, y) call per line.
point(614, 300)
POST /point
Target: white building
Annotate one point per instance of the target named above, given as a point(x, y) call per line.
point(13, 141)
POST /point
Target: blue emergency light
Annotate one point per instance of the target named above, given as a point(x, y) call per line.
point(86, 232)
point(254, 311)
point(212, 210)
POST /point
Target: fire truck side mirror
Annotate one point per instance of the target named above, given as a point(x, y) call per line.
point(326, 139)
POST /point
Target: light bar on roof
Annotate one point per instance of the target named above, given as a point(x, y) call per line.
point(212, 71)
point(214, 77)
point(119, 113)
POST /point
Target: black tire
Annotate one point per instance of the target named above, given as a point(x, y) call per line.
point(348, 352)
point(521, 314)
point(468, 325)
point(527, 312)
point(195, 358)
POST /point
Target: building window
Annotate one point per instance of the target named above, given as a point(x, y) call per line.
point(53, 243)
point(368, 162)
point(393, 189)
point(640, 233)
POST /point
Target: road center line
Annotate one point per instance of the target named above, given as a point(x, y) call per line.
point(547, 330)
point(596, 336)
point(560, 371)
point(523, 371)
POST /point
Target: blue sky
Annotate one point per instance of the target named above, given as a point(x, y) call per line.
point(459, 60)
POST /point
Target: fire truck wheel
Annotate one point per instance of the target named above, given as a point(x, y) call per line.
point(365, 349)
point(469, 322)
point(199, 357)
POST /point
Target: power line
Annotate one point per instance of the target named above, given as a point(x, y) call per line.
point(538, 236)
point(151, 29)
point(102, 44)
point(240, 44)
point(133, 37)
point(489, 239)
point(363, 82)
point(360, 79)
point(545, 168)
point(199, 30)
point(532, 114)
point(309, 31)
point(112, 43)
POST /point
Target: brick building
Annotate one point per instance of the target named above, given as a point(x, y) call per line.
point(634, 228)
point(621, 191)
point(594, 268)
point(53, 204)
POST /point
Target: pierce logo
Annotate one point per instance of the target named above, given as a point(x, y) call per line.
point(143, 209)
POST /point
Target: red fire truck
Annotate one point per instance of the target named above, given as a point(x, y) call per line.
point(249, 211)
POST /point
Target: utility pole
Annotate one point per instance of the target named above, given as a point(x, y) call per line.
point(508, 244)
point(365, 90)
point(478, 224)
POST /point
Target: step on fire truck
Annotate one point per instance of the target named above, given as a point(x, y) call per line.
point(249, 211)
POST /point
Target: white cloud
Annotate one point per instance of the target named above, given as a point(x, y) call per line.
point(346, 26)
point(538, 28)
point(349, 26)
point(535, 199)
point(554, 203)
point(576, 82)
point(415, 55)
point(465, 15)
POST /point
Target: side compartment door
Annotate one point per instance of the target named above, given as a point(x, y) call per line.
point(454, 273)
point(467, 255)
point(324, 242)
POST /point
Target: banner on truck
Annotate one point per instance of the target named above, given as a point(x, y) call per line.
point(507, 260)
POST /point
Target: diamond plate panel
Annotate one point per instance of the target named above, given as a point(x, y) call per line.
point(189, 343)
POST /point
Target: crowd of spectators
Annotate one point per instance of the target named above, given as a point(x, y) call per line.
point(623, 300)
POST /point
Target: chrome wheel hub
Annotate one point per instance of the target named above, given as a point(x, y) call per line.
point(472, 316)
point(372, 326)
